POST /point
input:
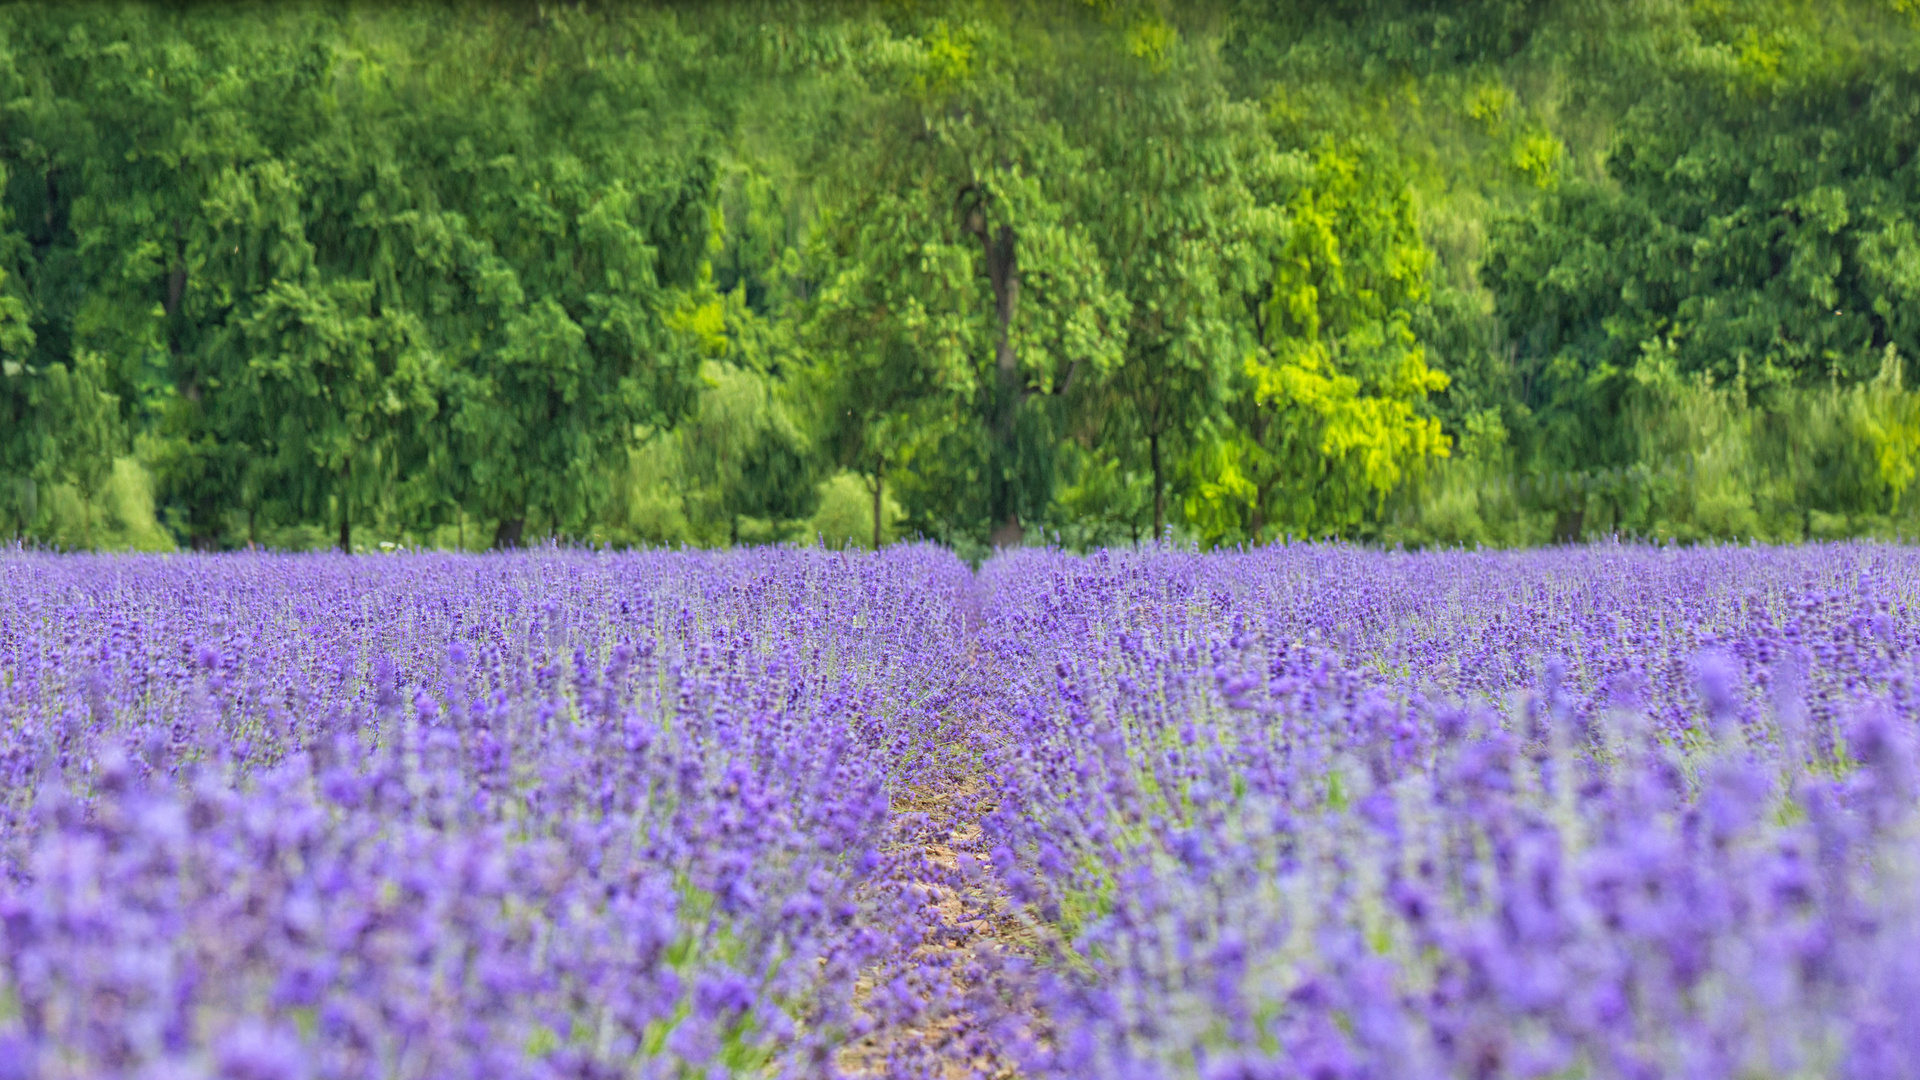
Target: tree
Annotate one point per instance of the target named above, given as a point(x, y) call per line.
point(1171, 215)
point(553, 283)
point(331, 270)
point(1752, 221)
point(886, 366)
point(366, 268)
point(58, 425)
point(1326, 420)
point(739, 454)
point(959, 259)
point(112, 139)
point(343, 392)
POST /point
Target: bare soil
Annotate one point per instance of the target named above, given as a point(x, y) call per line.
point(966, 1008)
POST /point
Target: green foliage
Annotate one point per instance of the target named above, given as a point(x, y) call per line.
point(1173, 216)
point(1103, 501)
point(845, 514)
point(1328, 421)
point(961, 290)
point(736, 469)
point(351, 268)
point(61, 427)
point(1670, 245)
point(118, 516)
point(1493, 272)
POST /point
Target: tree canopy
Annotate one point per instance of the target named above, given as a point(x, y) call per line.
point(992, 272)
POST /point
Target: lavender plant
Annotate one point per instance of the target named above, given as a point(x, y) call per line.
point(1307, 811)
point(1608, 812)
point(548, 815)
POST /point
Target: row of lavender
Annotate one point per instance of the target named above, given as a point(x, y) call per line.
point(559, 814)
point(1609, 812)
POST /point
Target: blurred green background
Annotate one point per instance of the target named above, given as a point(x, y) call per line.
point(1495, 272)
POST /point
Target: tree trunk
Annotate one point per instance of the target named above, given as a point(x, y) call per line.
point(177, 275)
point(1263, 488)
point(507, 533)
point(1003, 271)
point(1159, 489)
point(345, 507)
point(204, 524)
point(1009, 533)
point(1569, 525)
point(1000, 248)
point(879, 478)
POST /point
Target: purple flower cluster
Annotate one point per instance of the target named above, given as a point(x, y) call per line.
point(557, 814)
point(1302, 812)
point(1604, 812)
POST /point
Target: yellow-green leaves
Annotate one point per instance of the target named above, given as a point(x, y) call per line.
point(1328, 418)
point(1891, 424)
point(1537, 155)
point(704, 320)
point(946, 60)
point(1152, 40)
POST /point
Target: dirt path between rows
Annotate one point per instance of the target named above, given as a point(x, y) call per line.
point(954, 1000)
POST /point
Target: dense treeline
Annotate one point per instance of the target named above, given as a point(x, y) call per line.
point(1501, 271)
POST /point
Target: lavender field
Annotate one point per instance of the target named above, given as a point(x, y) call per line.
point(1307, 811)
